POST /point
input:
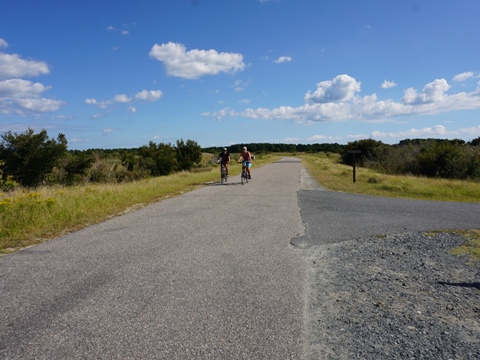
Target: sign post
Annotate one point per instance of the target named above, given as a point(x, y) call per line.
point(353, 152)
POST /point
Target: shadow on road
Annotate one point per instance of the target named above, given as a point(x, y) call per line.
point(225, 184)
point(466, 285)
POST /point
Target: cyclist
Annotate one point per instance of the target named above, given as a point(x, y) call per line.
point(224, 159)
point(246, 160)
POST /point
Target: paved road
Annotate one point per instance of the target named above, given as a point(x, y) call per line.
point(333, 216)
point(207, 275)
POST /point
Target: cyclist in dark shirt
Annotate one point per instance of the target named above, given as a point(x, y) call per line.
point(224, 159)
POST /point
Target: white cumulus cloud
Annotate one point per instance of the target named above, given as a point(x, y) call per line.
point(388, 84)
point(432, 92)
point(195, 63)
point(13, 66)
point(338, 100)
point(18, 96)
point(341, 88)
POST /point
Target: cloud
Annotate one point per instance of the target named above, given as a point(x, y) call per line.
point(123, 31)
point(320, 138)
point(100, 104)
point(388, 84)
point(18, 96)
point(341, 88)
point(413, 133)
point(435, 131)
point(195, 63)
point(338, 100)
point(463, 76)
point(13, 66)
point(132, 109)
point(282, 59)
point(432, 92)
point(145, 95)
point(122, 98)
point(107, 131)
point(152, 95)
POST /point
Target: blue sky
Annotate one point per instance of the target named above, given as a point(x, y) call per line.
point(121, 73)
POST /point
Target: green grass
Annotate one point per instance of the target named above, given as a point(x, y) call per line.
point(338, 177)
point(471, 247)
point(29, 217)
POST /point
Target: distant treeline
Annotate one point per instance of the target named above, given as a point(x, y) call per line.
point(274, 148)
point(32, 159)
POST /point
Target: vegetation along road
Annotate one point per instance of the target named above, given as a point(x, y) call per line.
point(208, 274)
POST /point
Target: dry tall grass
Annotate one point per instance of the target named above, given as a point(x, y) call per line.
point(338, 177)
point(31, 216)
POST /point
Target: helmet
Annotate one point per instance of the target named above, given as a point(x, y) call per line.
point(244, 148)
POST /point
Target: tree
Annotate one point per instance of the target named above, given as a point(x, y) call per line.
point(446, 159)
point(158, 159)
point(188, 154)
point(29, 157)
point(475, 142)
point(76, 166)
point(371, 151)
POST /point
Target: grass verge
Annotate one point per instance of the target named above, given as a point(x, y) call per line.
point(334, 176)
point(338, 177)
point(29, 217)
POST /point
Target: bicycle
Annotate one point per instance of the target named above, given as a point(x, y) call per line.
point(244, 177)
point(224, 175)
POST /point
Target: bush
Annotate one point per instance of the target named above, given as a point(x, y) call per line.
point(29, 157)
point(450, 159)
point(158, 159)
point(7, 184)
point(187, 154)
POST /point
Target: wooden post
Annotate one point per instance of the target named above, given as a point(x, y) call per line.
point(353, 152)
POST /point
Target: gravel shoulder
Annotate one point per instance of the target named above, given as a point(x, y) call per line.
point(401, 296)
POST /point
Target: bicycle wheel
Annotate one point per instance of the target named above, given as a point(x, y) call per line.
point(242, 178)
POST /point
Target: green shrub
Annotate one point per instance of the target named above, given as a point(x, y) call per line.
point(28, 157)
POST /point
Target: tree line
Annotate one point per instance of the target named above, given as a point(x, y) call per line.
point(437, 158)
point(276, 148)
point(31, 159)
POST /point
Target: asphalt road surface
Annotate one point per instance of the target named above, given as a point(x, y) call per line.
point(331, 217)
point(211, 274)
